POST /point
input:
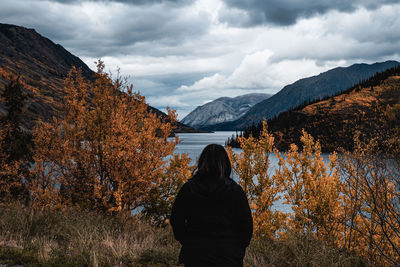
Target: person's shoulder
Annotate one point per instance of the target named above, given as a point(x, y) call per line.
point(231, 182)
point(188, 184)
point(237, 192)
point(234, 186)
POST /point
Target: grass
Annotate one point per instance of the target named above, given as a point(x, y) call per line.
point(32, 237)
point(298, 250)
point(75, 238)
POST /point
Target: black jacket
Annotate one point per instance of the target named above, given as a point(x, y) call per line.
point(211, 218)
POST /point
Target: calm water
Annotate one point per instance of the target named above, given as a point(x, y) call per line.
point(193, 143)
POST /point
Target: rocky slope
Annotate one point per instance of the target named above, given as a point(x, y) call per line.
point(42, 66)
point(223, 109)
point(316, 87)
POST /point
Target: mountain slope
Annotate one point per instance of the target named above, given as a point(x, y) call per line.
point(316, 87)
point(371, 108)
point(222, 109)
point(42, 66)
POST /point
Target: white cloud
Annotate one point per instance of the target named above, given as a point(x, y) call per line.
point(256, 73)
point(168, 101)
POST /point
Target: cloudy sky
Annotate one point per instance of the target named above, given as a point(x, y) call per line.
point(184, 53)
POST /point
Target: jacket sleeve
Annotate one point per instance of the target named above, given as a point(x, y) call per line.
point(244, 219)
point(178, 216)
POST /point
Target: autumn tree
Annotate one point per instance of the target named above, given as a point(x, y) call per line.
point(262, 189)
point(106, 152)
point(312, 191)
point(351, 200)
point(15, 144)
point(372, 203)
point(158, 202)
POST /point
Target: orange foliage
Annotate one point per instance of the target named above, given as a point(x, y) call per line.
point(106, 152)
point(351, 202)
point(371, 207)
point(312, 192)
point(11, 178)
point(262, 189)
point(158, 203)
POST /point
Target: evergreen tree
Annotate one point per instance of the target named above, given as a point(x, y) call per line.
point(15, 144)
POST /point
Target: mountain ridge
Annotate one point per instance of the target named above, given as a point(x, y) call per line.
point(370, 109)
point(222, 109)
point(306, 89)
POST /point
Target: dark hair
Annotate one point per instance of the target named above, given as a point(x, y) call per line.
point(214, 162)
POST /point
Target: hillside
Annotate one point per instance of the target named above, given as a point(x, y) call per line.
point(371, 108)
point(42, 66)
point(307, 89)
point(223, 109)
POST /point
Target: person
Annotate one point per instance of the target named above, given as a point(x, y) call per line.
point(211, 217)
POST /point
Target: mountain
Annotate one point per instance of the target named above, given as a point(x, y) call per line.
point(223, 109)
point(307, 89)
point(42, 66)
point(371, 108)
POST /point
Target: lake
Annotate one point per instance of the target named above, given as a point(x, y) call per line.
point(193, 143)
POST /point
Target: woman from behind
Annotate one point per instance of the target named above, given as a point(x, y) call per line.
point(211, 217)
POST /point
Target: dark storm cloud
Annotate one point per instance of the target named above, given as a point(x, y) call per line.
point(119, 32)
point(126, 34)
point(287, 12)
point(131, 2)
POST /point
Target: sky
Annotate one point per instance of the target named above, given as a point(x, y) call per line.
point(185, 53)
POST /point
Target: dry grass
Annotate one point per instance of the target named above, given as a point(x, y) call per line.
point(75, 238)
point(298, 250)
